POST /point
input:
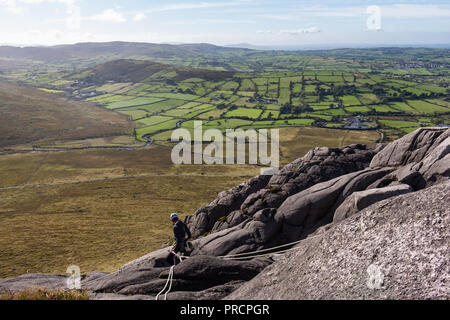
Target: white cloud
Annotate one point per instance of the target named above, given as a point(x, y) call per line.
point(73, 22)
point(16, 6)
point(301, 31)
point(417, 11)
point(139, 16)
point(186, 6)
point(109, 15)
point(50, 37)
point(283, 17)
point(11, 6)
point(264, 31)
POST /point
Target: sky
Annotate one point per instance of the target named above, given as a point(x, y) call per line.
point(226, 22)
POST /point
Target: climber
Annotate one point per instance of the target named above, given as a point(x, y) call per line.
point(180, 231)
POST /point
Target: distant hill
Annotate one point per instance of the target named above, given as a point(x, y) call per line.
point(240, 57)
point(32, 116)
point(138, 71)
point(115, 50)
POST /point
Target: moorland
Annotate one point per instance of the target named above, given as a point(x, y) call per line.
point(80, 182)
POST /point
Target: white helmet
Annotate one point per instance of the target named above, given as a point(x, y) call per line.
point(173, 216)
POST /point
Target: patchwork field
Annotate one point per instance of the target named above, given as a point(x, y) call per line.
point(322, 95)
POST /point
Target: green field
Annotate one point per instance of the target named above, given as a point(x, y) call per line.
point(132, 103)
point(300, 88)
point(426, 107)
point(360, 109)
point(381, 108)
point(350, 101)
point(244, 112)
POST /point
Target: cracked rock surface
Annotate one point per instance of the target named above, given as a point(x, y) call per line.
point(394, 249)
point(373, 222)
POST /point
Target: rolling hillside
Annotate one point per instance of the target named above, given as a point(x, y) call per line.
point(32, 116)
point(83, 55)
point(118, 49)
point(138, 71)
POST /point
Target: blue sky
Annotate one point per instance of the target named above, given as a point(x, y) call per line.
point(223, 22)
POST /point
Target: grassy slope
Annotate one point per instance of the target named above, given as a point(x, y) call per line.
point(100, 224)
point(29, 115)
point(138, 71)
point(45, 295)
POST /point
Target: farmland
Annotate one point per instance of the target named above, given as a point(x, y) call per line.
point(343, 89)
point(329, 99)
point(55, 205)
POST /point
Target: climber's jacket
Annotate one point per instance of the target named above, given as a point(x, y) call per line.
point(180, 230)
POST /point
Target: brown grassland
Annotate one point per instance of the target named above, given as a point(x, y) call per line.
point(45, 295)
point(99, 209)
point(33, 116)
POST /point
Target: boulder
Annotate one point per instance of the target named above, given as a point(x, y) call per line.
point(115, 282)
point(194, 274)
point(155, 286)
point(117, 297)
point(215, 270)
point(411, 148)
point(215, 293)
point(251, 235)
point(395, 249)
point(155, 259)
point(318, 165)
point(34, 281)
point(205, 218)
point(306, 210)
point(361, 200)
point(424, 158)
point(315, 206)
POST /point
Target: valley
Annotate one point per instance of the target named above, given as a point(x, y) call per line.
point(79, 182)
point(395, 93)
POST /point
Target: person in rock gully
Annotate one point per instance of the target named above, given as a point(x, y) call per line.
point(180, 231)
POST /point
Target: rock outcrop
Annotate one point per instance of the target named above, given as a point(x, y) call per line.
point(361, 200)
point(350, 207)
point(205, 218)
point(305, 194)
point(236, 205)
point(421, 158)
point(394, 249)
point(195, 274)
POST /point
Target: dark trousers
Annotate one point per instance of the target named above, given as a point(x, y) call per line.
point(173, 259)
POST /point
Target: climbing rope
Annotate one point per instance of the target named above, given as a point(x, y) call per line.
point(240, 256)
point(169, 280)
point(249, 255)
point(264, 255)
point(170, 277)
